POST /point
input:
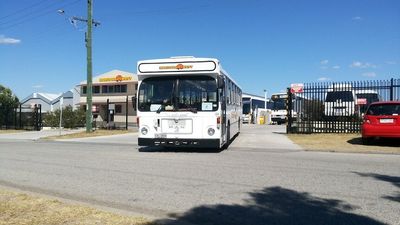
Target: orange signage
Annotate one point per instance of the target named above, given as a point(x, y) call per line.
point(177, 67)
point(117, 78)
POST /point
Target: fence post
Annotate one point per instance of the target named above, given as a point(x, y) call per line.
point(108, 111)
point(40, 118)
point(20, 116)
point(289, 112)
point(391, 89)
point(15, 117)
point(126, 113)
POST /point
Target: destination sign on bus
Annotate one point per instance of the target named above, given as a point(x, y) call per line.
point(177, 67)
point(279, 96)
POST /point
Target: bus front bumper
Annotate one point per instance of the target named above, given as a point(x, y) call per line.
point(165, 142)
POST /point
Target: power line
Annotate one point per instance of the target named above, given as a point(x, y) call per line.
point(28, 14)
point(23, 9)
point(37, 16)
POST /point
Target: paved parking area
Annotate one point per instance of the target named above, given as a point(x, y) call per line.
point(262, 178)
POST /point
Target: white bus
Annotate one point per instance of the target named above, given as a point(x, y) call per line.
point(279, 111)
point(187, 101)
point(251, 104)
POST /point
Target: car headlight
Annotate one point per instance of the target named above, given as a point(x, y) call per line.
point(211, 131)
point(144, 130)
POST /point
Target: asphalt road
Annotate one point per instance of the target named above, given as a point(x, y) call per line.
point(261, 179)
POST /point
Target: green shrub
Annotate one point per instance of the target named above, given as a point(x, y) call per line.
point(70, 118)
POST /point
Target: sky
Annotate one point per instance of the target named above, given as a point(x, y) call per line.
point(262, 44)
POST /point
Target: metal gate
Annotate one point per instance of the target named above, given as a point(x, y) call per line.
point(336, 107)
point(22, 118)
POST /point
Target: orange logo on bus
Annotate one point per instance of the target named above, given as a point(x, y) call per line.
point(179, 67)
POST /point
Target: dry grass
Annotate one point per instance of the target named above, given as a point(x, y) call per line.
point(11, 131)
point(19, 208)
point(343, 143)
point(95, 133)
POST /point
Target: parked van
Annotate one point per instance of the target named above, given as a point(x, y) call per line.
point(340, 101)
point(365, 98)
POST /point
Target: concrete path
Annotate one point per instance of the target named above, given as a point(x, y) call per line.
point(35, 135)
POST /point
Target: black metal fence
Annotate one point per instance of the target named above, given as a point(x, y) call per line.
point(336, 107)
point(21, 118)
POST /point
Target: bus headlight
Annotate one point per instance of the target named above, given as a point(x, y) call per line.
point(211, 131)
point(144, 130)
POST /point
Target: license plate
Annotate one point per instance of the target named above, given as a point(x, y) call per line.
point(160, 136)
point(179, 126)
point(176, 123)
point(386, 120)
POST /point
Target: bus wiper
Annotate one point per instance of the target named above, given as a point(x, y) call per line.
point(159, 109)
point(193, 110)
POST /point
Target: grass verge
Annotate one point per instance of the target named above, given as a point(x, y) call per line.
point(11, 131)
point(84, 134)
point(344, 143)
point(20, 208)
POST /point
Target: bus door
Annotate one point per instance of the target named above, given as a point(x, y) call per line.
point(222, 95)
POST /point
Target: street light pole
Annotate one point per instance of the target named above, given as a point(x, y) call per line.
point(265, 99)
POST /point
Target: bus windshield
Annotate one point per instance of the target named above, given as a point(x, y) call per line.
point(246, 105)
point(279, 104)
point(193, 94)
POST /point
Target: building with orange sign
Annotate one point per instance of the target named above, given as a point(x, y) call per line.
point(112, 98)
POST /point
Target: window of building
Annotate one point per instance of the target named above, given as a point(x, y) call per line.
point(84, 89)
point(104, 89)
point(111, 89)
point(117, 88)
point(123, 88)
point(96, 89)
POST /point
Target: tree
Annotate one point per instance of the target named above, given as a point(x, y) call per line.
point(8, 103)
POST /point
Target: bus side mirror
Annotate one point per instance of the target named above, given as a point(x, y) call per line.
point(134, 100)
point(221, 83)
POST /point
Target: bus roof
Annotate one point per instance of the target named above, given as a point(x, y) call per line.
point(181, 65)
point(175, 65)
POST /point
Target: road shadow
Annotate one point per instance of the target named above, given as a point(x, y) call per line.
point(394, 180)
point(274, 205)
point(384, 142)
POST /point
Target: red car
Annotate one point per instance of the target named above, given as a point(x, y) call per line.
point(382, 119)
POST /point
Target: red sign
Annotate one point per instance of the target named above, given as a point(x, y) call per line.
point(296, 88)
point(361, 101)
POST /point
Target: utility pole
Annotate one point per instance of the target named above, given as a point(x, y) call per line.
point(88, 40)
point(89, 85)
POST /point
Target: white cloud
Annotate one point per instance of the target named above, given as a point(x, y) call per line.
point(324, 62)
point(324, 79)
point(391, 62)
point(37, 86)
point(8, 41)
point(357, 64)
point(369, 74)
point(357, 18)
point(336, 67)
